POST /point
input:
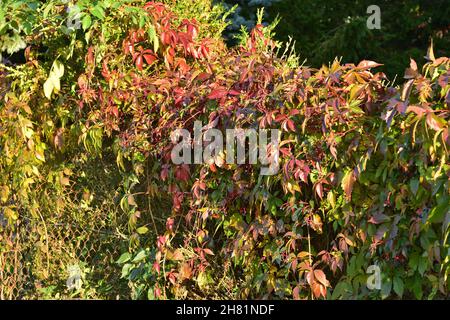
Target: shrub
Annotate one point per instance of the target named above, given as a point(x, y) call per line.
point(364, 172)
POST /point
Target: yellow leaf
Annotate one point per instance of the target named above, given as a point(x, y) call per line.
point(53, 83)
point(204, 279)
point(347, 184)
point(303, 254)
point(40, 155)
point(10, 214)
point(4, 193)
point(331, 199)
point(27, 182)
point(142, 230)
point(48, 88)
point(26, 108)
point(58, 69)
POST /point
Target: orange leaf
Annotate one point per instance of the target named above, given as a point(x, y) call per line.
point(320, 276)
point(185, 271)
point(317, 290)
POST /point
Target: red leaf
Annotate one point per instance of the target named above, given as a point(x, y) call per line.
point(128, 47)
point(139, 62)
point(105, 71)
point(319, 190)
point(295, 293)
point(378, 218)
point(164, 173)
point(160, 242)
point(413, 64)
point(169, 224)
point(203, 76)
point(157, 267)
point(435, 122)
point(218, 93)
point(446, 136)
point(90, 56)
point(182, 172)
point(115, 111)
point(192, 30)
point(417, 110)
point(181, 63)
point(304, 172)
point(157, 292)
point(294, 112)
point(291, 125)
point(149, 58)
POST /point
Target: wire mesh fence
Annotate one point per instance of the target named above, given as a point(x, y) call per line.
point(51, 258)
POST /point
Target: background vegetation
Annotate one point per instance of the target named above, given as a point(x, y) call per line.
point(328, 29)
point(92, 206)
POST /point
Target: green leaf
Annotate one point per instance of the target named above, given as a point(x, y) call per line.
point(124, 258)
point(386, 287)
point(86, 22)
point(126, 270)
point(423, 264)
point(417, 288)
point(140, 256)
point(153, 36)
point(414, 185)
point(142, 230)
point(141, 21)
point(151, 294)
point(398, 286)
point(437, 213)
point(340, 290)
point(354, 106)
point(413, 261)
point(98, 12)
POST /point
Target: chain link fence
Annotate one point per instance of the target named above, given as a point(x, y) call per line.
point(63, 257)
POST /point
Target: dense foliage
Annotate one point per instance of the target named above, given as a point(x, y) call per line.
point(85, 130)
point(337, 28)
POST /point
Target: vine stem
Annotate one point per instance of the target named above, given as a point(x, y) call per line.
point(309, 251)
point(46, 241)
point(149, 204)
